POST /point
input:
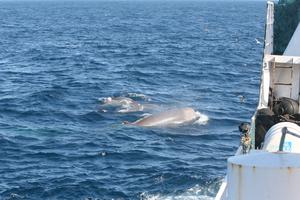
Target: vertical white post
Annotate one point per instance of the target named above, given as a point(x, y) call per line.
point(269, 28)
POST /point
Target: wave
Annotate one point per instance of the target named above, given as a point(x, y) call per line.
point(194, 193)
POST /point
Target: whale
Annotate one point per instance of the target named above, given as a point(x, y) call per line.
point(127, 105)
point(173, 117)
point(124, 104)
point(117, 101)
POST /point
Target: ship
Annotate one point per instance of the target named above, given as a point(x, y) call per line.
point(267, 163)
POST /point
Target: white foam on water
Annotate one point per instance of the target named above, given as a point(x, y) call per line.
point(203, 119)
point(180, 197)
point(194, 193)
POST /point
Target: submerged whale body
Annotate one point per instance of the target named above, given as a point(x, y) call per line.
point(172, 117)
point(127, 105)
point(117, 101)
point(124, 103)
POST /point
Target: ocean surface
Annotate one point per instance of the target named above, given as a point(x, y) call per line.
point(59, 58)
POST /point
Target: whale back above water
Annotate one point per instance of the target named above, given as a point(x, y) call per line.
point(169, 118)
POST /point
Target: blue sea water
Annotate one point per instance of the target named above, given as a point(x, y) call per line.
point(57, 58)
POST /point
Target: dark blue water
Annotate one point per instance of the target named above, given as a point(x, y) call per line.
point(57, 58)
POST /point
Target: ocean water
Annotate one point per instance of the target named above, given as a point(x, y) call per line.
point(57, 58)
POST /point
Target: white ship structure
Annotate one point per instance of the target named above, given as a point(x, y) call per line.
point(267, 163)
